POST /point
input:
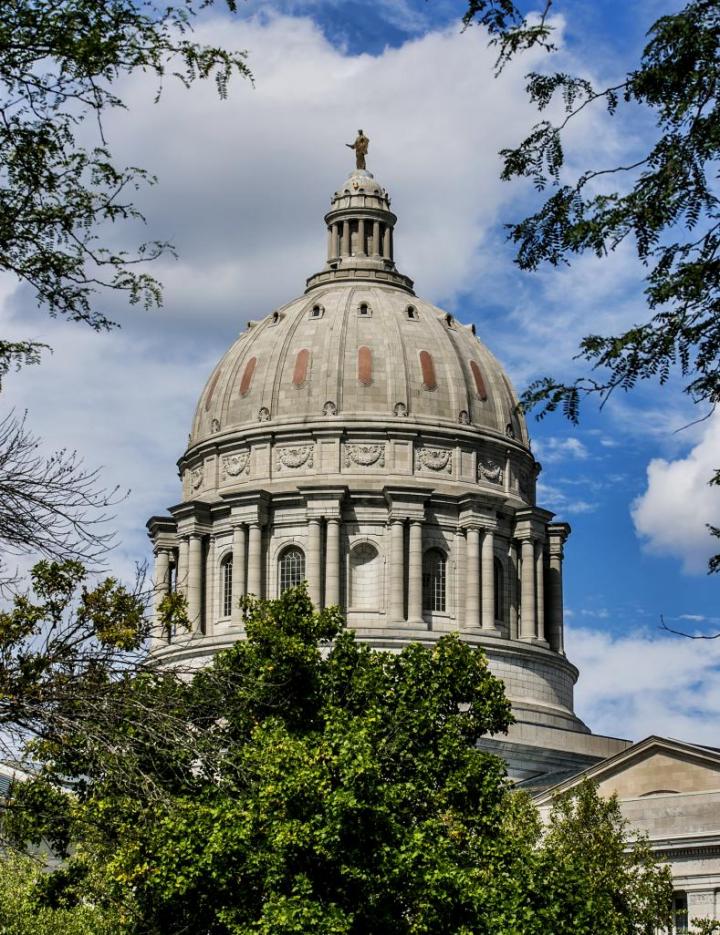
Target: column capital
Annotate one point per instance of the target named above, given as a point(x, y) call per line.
point(557, 536)
point(322, 502)
point(406, 502)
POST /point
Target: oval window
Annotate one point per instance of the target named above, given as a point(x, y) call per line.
point(247, 376)
point(428, 371)
point(364, 365)
point(479, 382)
point(302, 362)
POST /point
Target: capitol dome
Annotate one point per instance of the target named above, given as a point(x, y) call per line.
point(364, 440)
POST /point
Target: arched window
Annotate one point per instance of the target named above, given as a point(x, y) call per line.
point(499, 577)
point(226, 570)
point(364, 577)
point(434, 576)
point(291, 568)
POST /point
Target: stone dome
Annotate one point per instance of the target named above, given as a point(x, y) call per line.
point(365, 441)
point(350, 352)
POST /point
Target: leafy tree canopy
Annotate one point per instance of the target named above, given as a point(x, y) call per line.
point(664, 201)
point(310, 784)
point(59, 65)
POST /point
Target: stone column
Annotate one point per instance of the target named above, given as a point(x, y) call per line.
point(513, 590)
point(540, 589)
point(330, 243)
point(255, 560)
point(332, 563)
point(376, 238)
point(345, 238)
point(472, 578)
point(506, 474)
point(162, 586)
point(314, 561)
point(387, 243)
point(211, 609)
point(334, 241)
point(361, 238)
point(238, 572)
point(194, 581)
point(182, 567)
point(555, 594)
point(460, 578)
point(527, 606)
point(488, 580)
point(397, 570)
point(415, 573)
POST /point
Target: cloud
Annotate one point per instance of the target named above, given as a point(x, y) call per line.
point(640, 684)
point(553, 450)
point(553, 498)
point(671, 514)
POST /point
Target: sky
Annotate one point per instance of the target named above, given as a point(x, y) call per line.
point(242, 187)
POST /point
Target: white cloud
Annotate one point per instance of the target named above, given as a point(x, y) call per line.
point(632, 686)
point(553, 450)
point(671, 514)
point(554, 498)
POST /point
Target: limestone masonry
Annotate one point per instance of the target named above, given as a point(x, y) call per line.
point(366, 441)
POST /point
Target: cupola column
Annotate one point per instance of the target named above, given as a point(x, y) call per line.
point(540, 588)
point(527, 605)
point(557, 534)
point(376, 238)
point(314, 561)
point(332, 562)
point(488, 580)
point(415, 573)
point(194, 580)
point(397, 570)
point(472, 578)
point(361, 238)
point(387, 242)
point(345, 250)
point(255, 559)
point(162, 586)
point(334, 241)
point(238, 572)
point(182, 569)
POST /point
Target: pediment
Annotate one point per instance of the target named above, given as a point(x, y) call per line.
point(654, 766)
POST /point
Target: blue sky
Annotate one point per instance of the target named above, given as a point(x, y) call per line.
point(243, 185)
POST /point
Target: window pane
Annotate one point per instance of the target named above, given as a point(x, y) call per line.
point(292, 568)
point(434, 580)
point(227, 586)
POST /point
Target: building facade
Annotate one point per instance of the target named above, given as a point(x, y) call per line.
point(368, 442)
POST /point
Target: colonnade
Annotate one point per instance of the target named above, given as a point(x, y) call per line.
point(372, 238)
point(534, 575)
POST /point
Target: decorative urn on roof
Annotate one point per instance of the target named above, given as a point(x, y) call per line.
point(366, 441)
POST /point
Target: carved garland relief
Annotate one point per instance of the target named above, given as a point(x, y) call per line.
point(435, 459)
point(365, 455)
point(237, 464)
point(295, 457)
point(197, 475)
point(490, 470)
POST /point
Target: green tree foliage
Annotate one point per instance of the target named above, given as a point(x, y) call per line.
point(322, 787)
point(60, 64)
point(665, 201)
point(23, 913)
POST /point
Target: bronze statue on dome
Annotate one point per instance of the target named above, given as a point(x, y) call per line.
point(361, 147)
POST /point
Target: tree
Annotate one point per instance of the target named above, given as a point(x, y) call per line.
point(22, 914)
point(664, 201)
point(320, 786)
point(50, 505)
point(59, 65)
